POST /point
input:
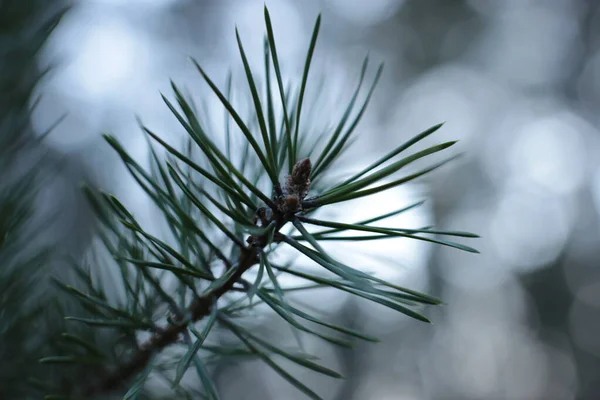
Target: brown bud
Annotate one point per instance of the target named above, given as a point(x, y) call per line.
point(298, 183)
point(292, 203)
point(301, 172)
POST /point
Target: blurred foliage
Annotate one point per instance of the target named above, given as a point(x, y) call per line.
point(30, 311)
point(24, 28)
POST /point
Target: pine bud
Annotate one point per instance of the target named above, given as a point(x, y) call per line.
point(298, 183)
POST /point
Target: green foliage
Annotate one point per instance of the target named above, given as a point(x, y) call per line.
point(226, 214)
point(24, 28)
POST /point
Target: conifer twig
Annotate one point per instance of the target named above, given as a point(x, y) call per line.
point(230, 195)
point(199, 309)
point(286, 206)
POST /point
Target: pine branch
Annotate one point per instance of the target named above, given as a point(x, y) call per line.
point(228, 209)
point(298, 184)
point(200, 309)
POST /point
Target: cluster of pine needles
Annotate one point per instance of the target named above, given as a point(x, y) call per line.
point(230, 209)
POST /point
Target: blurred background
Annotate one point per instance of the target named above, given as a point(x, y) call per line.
point(517, 82)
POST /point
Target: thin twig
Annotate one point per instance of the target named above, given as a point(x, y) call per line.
point(297, 186)
point(199, 309)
